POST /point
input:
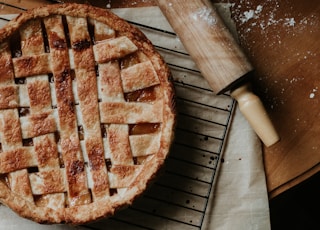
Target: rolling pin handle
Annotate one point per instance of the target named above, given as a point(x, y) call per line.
point(253, 110)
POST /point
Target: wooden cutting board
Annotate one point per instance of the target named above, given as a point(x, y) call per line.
point(281, 38)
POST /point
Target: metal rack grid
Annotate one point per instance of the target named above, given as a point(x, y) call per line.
point(179, 197)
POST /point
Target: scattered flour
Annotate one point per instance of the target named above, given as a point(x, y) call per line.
point(108, 4)
point(204, 14)
point(247, 15)
point(289, 21)
point(313, 93)
point(267, 14)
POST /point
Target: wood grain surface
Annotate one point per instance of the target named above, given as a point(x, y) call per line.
point(281, 38)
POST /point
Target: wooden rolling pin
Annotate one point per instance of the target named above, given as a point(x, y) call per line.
point(219, 58)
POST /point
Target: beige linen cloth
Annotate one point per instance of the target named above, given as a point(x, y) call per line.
point(239, 198)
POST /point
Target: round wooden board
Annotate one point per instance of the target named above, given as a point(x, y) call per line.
point(281, 38)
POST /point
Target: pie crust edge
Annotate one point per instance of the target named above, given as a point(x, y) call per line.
point(105, 207)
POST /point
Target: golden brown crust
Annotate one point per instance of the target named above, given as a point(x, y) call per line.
point(81, 144)
point(31, 65)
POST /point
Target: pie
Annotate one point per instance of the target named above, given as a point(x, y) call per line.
point(87, 114)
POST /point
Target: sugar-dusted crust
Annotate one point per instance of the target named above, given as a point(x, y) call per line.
point(77, 143)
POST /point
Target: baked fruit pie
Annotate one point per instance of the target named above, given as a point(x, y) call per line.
point(86, 113)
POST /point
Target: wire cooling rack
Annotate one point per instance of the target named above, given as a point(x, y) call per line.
point(179, 197)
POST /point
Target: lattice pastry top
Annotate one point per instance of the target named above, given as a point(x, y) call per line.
point(86, 113)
